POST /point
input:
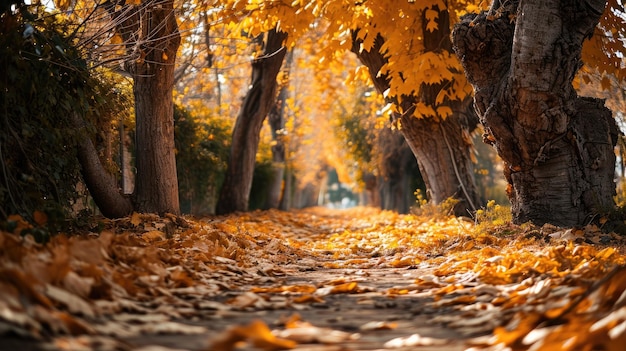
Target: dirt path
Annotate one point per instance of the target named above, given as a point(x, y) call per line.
point(307, 280)
point(346, 314)
point(349, 308)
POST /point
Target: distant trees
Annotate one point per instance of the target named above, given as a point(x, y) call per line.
point(435, 127)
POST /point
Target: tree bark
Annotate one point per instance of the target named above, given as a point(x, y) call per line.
point(442, 148)
point(102, 185)
point(151, 39)
point(235, 192)
point(521, 58)
point(276, 119)
point(393, 185)
point(156, 188)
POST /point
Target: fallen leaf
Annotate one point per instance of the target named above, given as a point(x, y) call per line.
point(257, 333)
point(73, 302)
point(414, 340)
point(307, 334)
point(376, 325)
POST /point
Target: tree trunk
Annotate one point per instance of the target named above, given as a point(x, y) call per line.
point(397, 167)
point(151, 38)
point(442, 148)
point(521, 58)
point(102, 185)
point(235, 191)
point(276, 121)
point(156, 189)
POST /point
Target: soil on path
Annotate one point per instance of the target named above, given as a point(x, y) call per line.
point(355, 314)
point(308, 280)
point(362, 316)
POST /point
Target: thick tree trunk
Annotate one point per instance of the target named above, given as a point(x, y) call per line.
point(235, 192)
point(157, 184)
point(521, 58)
point(151, 38)
point(443, 153)
point(442, 148)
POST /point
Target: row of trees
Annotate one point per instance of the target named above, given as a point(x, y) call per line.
point(557, 148)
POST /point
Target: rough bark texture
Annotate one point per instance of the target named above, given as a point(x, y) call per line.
point(151, 38)
point(235, 192)
point(442, 148)
point(102, 185)
point(157, 184)
point(521, 57)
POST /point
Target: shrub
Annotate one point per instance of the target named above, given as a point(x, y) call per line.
point(45, 83)
point(202, 149)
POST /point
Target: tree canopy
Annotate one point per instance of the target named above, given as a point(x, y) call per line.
point(213, 68)
point(409, 65)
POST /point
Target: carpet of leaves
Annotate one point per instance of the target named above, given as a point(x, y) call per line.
point(511, 287)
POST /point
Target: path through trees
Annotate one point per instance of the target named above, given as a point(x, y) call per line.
point(315, 279)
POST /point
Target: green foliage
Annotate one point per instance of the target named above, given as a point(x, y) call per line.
point(263, 176)
point(359, 137)
point(357, 128)
point(45, 83)
point(202, 148)
point(261, 180)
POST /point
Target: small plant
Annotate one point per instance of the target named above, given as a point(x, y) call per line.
point(492, 216)
point(423, 207)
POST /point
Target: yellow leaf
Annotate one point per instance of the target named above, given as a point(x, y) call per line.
point(431, 17)
point(308, 299)
point(368, 42)
point(256, 333)
point(606, 253)
point(153, 235)
point(62, 5)
point(116, 39)
point(444, 111)
point(351, 287)
point(135, 219)
point(424, 110)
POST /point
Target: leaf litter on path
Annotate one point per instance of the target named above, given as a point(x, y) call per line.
point(500, 288)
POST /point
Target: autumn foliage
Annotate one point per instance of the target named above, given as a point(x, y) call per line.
point(523, 286)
